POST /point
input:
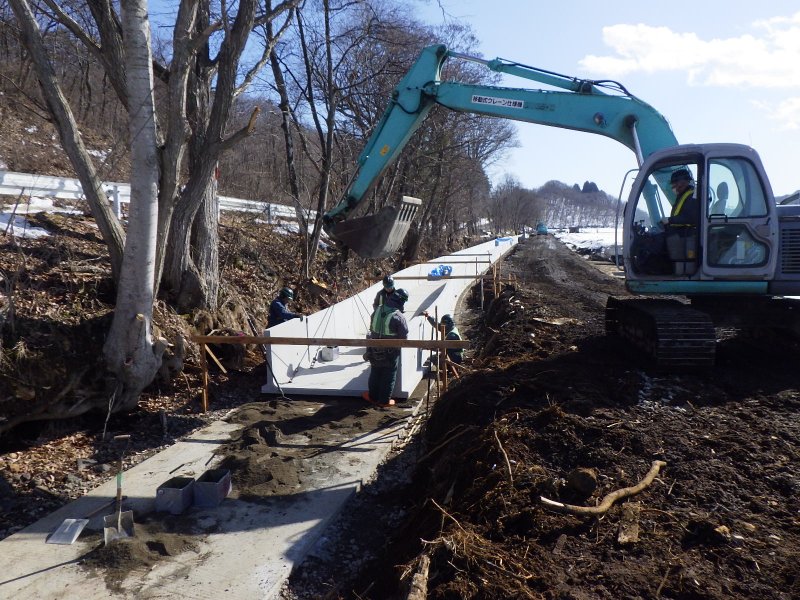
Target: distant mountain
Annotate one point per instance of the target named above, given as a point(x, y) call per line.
point(566, 206)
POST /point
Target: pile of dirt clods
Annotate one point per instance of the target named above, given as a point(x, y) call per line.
point(558, 412)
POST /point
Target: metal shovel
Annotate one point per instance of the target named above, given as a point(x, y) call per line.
point(118, 525)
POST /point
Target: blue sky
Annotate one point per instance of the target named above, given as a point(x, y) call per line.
point(718, 71)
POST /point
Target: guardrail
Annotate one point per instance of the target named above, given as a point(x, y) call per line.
point(15, 184)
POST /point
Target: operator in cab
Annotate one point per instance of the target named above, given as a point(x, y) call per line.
point(279, 311)
point(686, 209)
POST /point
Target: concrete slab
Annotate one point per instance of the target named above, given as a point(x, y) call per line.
point(250, 551)
point(302, 370)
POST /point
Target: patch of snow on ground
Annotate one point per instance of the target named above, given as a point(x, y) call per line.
point(594, 240)
point(38, 204)
point(19, 227)
point(101, 154)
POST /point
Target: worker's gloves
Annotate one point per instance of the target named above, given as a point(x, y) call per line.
point(665, 221)
point(424, 313)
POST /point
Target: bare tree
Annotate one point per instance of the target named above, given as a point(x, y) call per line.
point(129, 350)
point(109, 225)
point(184, 243)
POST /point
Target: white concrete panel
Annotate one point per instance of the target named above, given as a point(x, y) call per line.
point(302, 370)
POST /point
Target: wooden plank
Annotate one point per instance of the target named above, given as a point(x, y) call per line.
point(357, 342)
point(456, 262)
point(215, 359)
point(204, 366)
point(432, 278)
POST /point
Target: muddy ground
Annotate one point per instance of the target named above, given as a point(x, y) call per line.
point(548, 407)
point(552, 408)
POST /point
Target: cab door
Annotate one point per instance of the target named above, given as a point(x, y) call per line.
point(740, 235)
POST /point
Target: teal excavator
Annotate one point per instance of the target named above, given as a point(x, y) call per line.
point(734, 266)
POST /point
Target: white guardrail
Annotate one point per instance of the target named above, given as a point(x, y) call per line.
point(16, 184)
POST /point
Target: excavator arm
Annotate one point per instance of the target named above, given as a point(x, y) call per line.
point(599, 107)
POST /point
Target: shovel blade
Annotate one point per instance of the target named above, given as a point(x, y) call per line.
point(117, 526)
point(381, 234)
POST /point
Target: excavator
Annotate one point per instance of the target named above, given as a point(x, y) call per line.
point(734, 266)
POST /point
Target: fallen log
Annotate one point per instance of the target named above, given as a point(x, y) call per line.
point(419, 583)
point(609, 500)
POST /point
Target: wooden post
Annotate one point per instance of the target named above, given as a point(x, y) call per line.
point(443, 361)
point(438, 353)
point(482, 293)
point(204, 365)
point(499, 277)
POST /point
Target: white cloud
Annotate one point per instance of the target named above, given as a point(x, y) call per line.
point(786, 112)
point(769, 57)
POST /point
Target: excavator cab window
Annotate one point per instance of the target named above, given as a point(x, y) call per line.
point(661, 247)
point(739, 197)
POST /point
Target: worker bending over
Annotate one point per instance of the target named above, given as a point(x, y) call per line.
point(279, 311)
point(454, 355)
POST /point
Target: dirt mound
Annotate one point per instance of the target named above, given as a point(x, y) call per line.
point(556, 410)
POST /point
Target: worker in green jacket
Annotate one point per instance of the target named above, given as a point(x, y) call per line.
point(455, 355)
point(388, 322)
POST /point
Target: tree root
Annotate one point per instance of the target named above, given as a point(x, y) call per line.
point(609, 500)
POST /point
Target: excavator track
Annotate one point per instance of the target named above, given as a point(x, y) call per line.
point(673, 334)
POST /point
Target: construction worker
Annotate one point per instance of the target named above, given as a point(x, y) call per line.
point(388, 322)
point(278, 311)
point(388, 290)
point(454, 355)
point(685, 211)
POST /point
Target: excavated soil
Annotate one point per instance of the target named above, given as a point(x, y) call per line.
point(552, 408)
point(547, 407)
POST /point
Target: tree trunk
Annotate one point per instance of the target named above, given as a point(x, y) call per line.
point(205, 244)
point(109, 225)
point(129, 349)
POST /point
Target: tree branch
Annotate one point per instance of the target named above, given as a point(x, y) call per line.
point(603, 507)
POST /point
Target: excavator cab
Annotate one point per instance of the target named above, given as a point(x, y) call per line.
point(378, 235)
point(732, 238)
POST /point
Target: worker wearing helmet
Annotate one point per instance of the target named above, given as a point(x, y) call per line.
point(382, 295)
point(455, 355)
point(388, 322)
point(686, 210)
point(278, 310)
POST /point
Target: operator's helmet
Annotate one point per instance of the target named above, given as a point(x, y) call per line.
point(400, 296)
point(287, 293)
point(388, 282)
point(680, 175)
point(447, 321)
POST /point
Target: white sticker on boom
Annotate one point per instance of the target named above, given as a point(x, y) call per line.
point(492, 101)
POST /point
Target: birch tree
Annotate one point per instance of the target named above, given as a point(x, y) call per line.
point(129, 350)
point(110, 228)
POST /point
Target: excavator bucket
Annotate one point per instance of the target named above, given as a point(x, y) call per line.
point(378, 235)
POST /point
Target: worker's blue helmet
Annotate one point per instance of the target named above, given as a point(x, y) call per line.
point(388, 282)
point(287, 293)
point(447, 321)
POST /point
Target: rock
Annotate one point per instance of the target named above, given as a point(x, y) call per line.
point(71, 479)
point(84, 463)
point(582, 480)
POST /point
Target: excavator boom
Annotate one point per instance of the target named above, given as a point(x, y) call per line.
point(603, 108)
